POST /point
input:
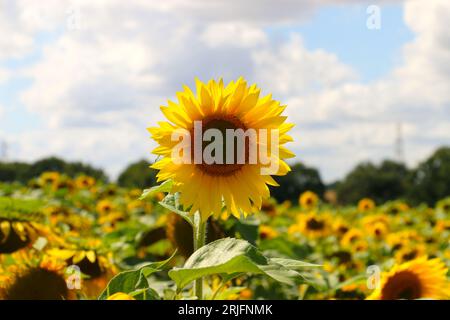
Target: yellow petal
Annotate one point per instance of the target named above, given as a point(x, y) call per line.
point(4, 229)
point(78, 257)
point(91, 256)
point(63, 254)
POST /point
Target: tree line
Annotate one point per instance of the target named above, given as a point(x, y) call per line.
point(427, 183)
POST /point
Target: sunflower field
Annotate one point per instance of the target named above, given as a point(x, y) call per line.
point(211, 230)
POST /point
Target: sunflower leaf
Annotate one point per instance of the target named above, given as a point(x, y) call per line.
point(166, 186)
point(230, 256)
point(135, 281)
point(171, 203)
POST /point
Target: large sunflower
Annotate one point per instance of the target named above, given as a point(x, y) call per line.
point(238, 185)
point(419, 278)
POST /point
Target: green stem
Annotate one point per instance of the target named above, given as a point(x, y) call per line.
point(199, 241)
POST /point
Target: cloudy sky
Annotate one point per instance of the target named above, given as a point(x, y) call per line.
point(83, 79)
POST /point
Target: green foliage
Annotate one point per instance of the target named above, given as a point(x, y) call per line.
point(430, 181)
point(382, 183)
point(135, 282)
point(300, 179)
point(231, 257)
point(23, 172)
point(246, 229)
point(138, 175)
point(14, 171)
point(166, 186)
point(171, 202)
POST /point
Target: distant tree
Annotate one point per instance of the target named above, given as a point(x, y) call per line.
point(300, 179)
point(430, 181)
point(74, 169)
point(47, 164)
point(23, 172)
point(13, 171)
point(71, 169)
point(388, 181)
point(138, 175)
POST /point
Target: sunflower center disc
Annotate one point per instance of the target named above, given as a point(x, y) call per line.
point(222, 124)
point(314, 224)
point(404, 285)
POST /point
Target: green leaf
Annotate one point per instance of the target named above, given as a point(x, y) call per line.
point(294, 264)
point(356, 279)
point(171, 202)
point(230, 256)
point(248, 229)
point(166, 186)
point(28, 205)
point(135, 282)
point(283, 247)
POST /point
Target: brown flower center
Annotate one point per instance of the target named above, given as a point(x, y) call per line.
point(222, 123)
point(403, 285)
point(313, 224)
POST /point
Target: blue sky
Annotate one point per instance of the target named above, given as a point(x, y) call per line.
point(345, 85)
point(17, 118)
point(341, 30)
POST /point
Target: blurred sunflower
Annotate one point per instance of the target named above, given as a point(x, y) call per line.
point(15, 235)
point(360, 246)
point(93, 262)
point(49, 178)
point(19, 225)
point(104, 207)
point(395, 207)
point(442, 225)
point(376, 218)
point(110, 221)
point(34, 276)
point(137, 205)
point(72, 225)
point(269, 206)
point(403, 238)
point(312, 225)
point(237, 186)
point(443, 206)
point(419, 278)
point(352, 291)
point(267, 232)
point(352, 237)
point(340, 226)
point(366, 204)
point(377, 230)
point(308, 200)
point(84, 182)
point(63, 183)
point(410, 252)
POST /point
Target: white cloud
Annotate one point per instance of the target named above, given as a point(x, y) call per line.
point(233, 34)
point(99, 86)
point(353, 121)
point(292, 70)
point(22, 20)
point(4, 75)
